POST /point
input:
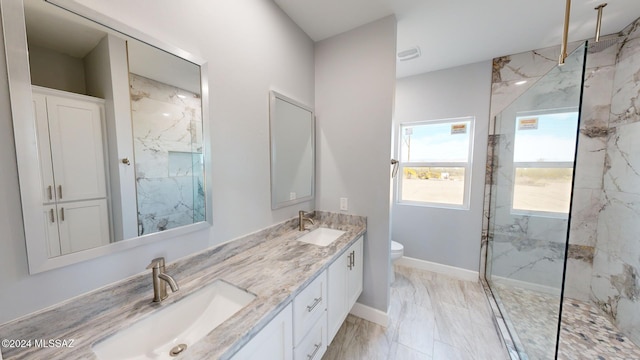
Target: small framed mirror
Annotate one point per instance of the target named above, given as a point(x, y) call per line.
point(292, 128)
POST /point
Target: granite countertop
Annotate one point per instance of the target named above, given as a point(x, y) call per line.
point(270, 263)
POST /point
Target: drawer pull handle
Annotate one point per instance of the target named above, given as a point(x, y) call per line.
point(316, 301)
point(50, 192)
point(315, 351)
point(51, 216)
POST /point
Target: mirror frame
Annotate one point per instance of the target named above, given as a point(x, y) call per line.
point(273, 97)
point(23, 118)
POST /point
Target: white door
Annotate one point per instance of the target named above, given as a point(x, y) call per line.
point(337, 295)
point(75, 129)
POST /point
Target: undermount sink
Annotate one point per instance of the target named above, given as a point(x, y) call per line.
point(182, 323)
point(321, 236)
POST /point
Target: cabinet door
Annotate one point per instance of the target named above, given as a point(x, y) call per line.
point(44, 149)
point(273, 342)
point(83, 225)
point(75, 130)
point(354, 277)
point(337, 295)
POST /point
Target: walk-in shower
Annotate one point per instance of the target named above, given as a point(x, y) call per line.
point(562, 201)
point(534, 143)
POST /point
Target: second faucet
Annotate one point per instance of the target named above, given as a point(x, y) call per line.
point(305, 216)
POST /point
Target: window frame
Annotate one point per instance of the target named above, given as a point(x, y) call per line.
point(468, 165)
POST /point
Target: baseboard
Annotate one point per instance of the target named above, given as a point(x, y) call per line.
point(456, 272)
point(370, 314)
point(526, 285)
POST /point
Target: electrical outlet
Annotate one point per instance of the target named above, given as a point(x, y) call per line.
point(344, 204)
point(292, 196)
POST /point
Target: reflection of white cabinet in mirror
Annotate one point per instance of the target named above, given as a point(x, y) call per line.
point(292, 127)
point(72, 140)
point(69, 53)
point(74, 196)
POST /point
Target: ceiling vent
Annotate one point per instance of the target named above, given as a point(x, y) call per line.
point(409, 54)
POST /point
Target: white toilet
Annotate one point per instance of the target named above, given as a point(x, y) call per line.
point(397, 251)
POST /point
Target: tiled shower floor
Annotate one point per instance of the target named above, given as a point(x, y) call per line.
point(585, 334)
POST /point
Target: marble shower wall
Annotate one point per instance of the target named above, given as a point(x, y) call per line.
point(590, 161)
point(167, 131)
point(615, 285)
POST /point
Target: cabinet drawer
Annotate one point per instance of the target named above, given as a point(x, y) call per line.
point(308, 306)
point(314, 344)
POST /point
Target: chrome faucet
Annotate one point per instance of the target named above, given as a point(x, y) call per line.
point(160, 280)
point(302, 217)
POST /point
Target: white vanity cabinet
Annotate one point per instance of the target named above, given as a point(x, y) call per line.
point(72, 167)
point(345, 286)
point(273, 342)
point(304, 329)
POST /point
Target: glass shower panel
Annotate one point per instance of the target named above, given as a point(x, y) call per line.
point(532, 174)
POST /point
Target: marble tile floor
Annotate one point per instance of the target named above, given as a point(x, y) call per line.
point(585, 332)
point(431, 316)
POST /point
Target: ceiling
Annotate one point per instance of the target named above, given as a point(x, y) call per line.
point(457, 32)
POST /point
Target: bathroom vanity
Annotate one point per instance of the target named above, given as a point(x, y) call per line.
point(137, 142)
point(302, 291)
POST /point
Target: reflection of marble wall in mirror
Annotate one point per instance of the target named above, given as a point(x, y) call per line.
point(167, 134)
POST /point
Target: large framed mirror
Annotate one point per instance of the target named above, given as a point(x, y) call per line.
point(292, 127)
point(111, 133)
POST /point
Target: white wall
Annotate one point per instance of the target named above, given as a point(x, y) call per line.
point(355, 81)
point(251, 46)
point(446, 236)
point(108, 78)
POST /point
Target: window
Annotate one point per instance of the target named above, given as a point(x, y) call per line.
point(543, 156)
point(435, 162)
